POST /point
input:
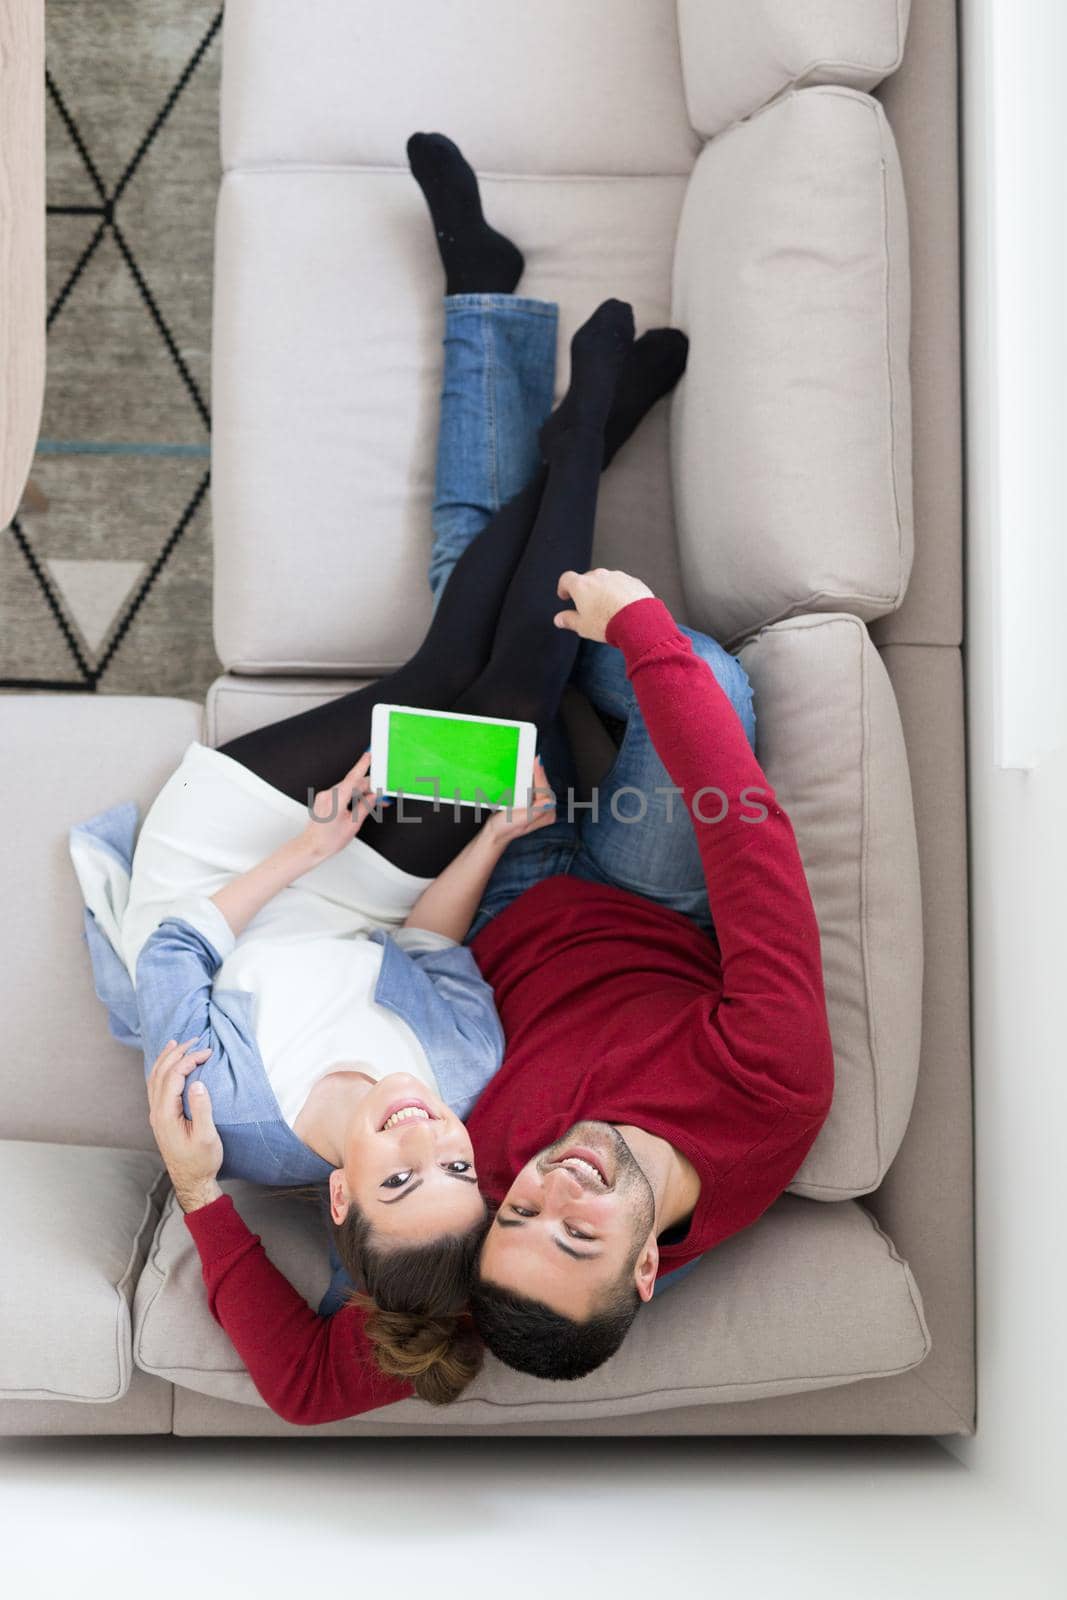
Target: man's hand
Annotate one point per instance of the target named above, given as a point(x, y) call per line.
point(512, 822)
point(192, 1150)
point(597, 596)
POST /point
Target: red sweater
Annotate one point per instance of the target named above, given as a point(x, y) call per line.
point(614, 1010)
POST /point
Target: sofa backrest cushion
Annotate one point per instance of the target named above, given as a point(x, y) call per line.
point(791, 430)
point(829, 738)
point(548, 88)
point(737, 55)
point(770, 1311)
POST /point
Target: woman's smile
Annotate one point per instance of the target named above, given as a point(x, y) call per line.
point(407, 1111)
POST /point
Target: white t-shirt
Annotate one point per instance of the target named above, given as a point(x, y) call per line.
point(305, 956)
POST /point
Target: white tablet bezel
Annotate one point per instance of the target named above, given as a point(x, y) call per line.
point(379, 754)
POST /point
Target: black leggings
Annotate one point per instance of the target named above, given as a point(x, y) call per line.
point(491, 649)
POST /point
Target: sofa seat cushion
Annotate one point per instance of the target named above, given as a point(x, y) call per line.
point(736, 56)
point(808, 1297)
point(77, 1224)
point(547, 88)
point(324, 438)
point(235, 706)
point(829, 737)
point(791, 430)
point(68, 756)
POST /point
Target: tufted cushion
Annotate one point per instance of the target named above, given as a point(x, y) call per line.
point(77, 1223)
point(829, 739)
point(736, 55)
point(771, 1311)
point(791, 431)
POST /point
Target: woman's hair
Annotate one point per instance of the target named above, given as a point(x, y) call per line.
point(416, 1296)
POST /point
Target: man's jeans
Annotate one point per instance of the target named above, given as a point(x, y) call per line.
point(499, 377)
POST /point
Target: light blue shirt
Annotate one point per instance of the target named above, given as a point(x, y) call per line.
point(438, 992)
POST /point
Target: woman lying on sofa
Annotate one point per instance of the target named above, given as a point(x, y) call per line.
point(341, 1028)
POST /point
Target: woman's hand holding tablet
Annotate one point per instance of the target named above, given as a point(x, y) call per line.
point(504, 826)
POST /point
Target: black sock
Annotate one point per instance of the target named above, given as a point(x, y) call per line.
point(653, 365)
point(477, 259)
point(598, 353)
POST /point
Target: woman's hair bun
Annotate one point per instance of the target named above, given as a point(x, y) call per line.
point(438, 1355)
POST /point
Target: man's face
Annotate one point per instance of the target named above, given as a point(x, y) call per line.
point(576, 1217)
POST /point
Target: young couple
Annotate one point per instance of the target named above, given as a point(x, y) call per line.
point(530, 1071)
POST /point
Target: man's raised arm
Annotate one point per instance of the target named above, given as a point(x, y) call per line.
point(772, 1015)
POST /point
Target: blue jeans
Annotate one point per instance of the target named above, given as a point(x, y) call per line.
point(500, 359)
point(500, 366)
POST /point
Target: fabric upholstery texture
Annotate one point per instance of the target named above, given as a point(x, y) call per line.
point(77, 1223)
point(736, 56)
point(66, 757)
point(926, 1197)
point(902, 1404)
point(830, 741)
point(147, 1407)
point(553, 88)
point(922, 104)
point(235, 706)
point(791, 431)
point(809, 1296)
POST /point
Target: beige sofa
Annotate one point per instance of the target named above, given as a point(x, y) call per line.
point(782, 182)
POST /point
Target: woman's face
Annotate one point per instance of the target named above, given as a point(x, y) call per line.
point(408, 1164)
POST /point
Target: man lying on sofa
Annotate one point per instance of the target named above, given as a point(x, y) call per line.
point(660, 1090)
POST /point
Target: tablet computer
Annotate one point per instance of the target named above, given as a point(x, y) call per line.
point(447, 756)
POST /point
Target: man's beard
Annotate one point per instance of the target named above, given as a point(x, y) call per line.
point(625, 1176)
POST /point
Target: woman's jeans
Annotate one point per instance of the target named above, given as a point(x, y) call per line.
point(634, 833)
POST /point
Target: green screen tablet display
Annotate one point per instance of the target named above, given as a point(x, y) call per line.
point(450, 758)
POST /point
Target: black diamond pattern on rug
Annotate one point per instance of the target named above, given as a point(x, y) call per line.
point(108, 589)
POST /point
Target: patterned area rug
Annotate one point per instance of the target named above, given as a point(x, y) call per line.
point(108, 587)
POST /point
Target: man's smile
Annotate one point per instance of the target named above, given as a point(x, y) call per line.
point(585, 1166)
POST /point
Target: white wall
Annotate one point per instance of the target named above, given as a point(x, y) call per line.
point(1015, 155)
